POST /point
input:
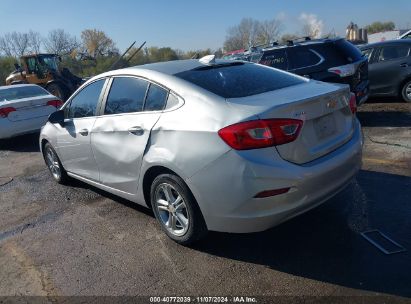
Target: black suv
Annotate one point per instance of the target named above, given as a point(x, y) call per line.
point(329, 60)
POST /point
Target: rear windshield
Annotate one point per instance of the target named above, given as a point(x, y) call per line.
point(14, 93)
point(239, 79)
point(350, 51)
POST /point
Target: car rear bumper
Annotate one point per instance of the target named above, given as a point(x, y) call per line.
point(14, 128)
point(225, 190)
point(362, 92)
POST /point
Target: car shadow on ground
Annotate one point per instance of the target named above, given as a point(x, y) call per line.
point(23, 143)
point(388, 99)
point(325, 244)
point(385, 119)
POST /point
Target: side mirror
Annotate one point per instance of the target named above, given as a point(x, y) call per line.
point(57, 117)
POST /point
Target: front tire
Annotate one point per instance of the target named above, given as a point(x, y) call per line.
point(54, 164)
point(406, 91)
point(176, 209)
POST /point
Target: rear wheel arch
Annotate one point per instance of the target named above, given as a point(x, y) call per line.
point(43, 143)
point(149, 177)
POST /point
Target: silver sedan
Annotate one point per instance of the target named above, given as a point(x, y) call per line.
point(24, 109)
point(208, 144)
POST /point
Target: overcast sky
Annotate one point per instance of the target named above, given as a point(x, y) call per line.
point(190, 25)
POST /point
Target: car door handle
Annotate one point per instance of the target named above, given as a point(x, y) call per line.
point(404, 65)
point(84, 132)
point(136, 130)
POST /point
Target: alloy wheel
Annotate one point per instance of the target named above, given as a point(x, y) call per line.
point(53, 163)
point(172, 209)
point(408, 91)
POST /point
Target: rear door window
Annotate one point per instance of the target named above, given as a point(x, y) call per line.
point(126, 95)
point(393, 52)
point(84, 104)
point(368, 53)
point(156, 98)
point(301, 57)
point(239, 79)
point(275, 58)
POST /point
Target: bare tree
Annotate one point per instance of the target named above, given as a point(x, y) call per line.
point(60, 42)
point(18, 43)
point(5, 47)
point(269, 31)
point(243, 35)
point(34, 42)
point(251, 32)
point(97, 44)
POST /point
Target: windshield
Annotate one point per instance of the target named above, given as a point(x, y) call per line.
point(14, 93)
point(239, 79)
point(49, 61)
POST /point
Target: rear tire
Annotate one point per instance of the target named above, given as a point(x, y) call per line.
point(176, 209)
point(406, 91)
point(54, 165)
point(57, 90)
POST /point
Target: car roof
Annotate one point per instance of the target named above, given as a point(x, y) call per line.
point(387, 42)
point(302, 43)
point(17, 86)
point(166, 67)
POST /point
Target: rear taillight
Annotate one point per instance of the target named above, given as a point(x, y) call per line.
point(353, 103)
point(55, 103)
point(261, 133)
point(4, 112)
point(343, 70)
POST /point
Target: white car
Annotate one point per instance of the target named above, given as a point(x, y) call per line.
point(24, 109)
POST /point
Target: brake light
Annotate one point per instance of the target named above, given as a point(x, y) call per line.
point(343, 70)
point(353, 103)
point(55, 103)
point(261, 133)
point(4, 112)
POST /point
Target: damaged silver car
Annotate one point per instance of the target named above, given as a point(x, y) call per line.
point(208, 144)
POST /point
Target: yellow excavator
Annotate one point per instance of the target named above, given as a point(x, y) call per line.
point(44, 70)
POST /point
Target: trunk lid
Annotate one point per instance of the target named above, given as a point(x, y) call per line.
point(324, 108)
point(29, 108)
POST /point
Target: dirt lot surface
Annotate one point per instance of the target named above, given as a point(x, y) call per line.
point(76, 240)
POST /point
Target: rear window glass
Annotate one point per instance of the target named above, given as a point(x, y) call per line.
point(348, 50)
point(14, 93)
point(339, 52)
point(303, 58)
point(239, 79)
point(276, 59)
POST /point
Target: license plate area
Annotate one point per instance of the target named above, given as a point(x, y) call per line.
point(325, 126)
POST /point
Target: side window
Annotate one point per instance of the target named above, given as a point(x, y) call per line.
point(367, 53)
point(303, 58)
point(31, 64)
point(126, 95)
point(156, 98)
point(172, 101)
point(275, 58)
point(84, 104)
point(393, 52)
